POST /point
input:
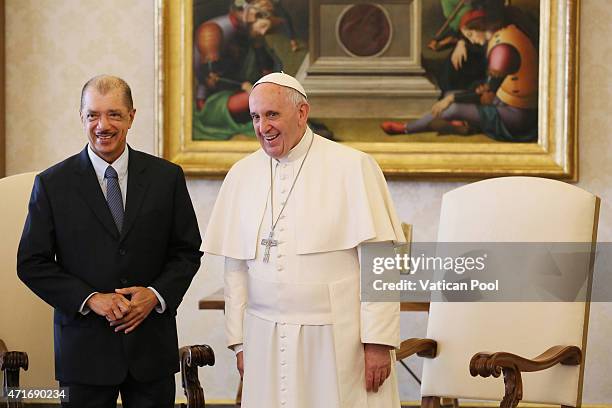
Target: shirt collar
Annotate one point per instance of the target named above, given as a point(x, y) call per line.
point(99, 164)
point(299, 150)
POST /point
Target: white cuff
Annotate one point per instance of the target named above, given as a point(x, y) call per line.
point(238, 348)
point(84, 309)
point(161, 307)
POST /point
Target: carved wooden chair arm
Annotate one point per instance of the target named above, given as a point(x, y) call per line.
point(487, 364)
point(193, 357)
point(10, 363)
point(511, 365)
point(421, 347)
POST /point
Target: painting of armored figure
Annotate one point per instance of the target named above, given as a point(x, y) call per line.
point(489, 82)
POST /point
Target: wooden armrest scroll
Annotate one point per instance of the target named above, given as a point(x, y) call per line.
point(421, 347)
point(511, 365)
point(193, 357)
point(10, 363)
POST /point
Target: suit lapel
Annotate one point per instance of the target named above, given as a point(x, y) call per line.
point(88, 186)
point(138, 183)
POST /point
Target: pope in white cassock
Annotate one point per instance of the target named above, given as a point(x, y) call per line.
point(289, 220)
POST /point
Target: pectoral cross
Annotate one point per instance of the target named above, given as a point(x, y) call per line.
point(268, 243)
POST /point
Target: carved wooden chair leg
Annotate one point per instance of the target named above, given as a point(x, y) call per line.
point(10, 364)
point(193, 357)
point(430, 402)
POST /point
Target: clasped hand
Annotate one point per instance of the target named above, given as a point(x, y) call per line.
point(123, 314)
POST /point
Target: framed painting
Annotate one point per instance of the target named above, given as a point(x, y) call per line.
point(430, 88)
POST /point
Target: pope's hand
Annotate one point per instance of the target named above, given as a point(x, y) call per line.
point(113, 306)
point(377, 365)
point(240, 363)
point(142, 300)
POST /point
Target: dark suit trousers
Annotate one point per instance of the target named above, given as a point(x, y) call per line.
point(134, 394)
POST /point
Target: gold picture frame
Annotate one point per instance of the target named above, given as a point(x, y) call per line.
point(555, 155)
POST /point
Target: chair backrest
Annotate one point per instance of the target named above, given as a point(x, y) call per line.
point(26, 322)
point(510, 209)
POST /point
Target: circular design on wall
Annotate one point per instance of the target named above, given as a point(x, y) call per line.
point(364, 30)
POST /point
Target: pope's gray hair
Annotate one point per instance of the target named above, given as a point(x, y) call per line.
point(294, 97)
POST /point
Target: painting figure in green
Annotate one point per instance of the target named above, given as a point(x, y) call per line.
point(230, 54)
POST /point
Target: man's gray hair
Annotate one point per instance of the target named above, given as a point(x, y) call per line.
point(294, 97)
point(105, 83)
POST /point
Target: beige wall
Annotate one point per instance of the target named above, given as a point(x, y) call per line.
point(53, 46)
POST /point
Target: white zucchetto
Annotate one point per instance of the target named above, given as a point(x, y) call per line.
point(282, 79)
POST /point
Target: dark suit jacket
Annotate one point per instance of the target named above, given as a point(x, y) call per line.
point(70, 247)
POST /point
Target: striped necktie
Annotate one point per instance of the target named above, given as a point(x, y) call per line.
point(113, 196)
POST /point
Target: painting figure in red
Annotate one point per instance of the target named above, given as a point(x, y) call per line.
point(505, 105)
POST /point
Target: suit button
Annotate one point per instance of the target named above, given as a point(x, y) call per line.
point(122, 251)
point(123, 281)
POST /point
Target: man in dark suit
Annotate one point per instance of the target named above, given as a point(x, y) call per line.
point(112, 243)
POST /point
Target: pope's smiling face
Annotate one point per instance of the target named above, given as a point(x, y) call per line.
point(279, 124)
point(106, 121)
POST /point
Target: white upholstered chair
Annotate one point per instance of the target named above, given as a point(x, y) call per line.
point(509, 209)
point(26, 322)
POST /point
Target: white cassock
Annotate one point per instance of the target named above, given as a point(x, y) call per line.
point(299, 315)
